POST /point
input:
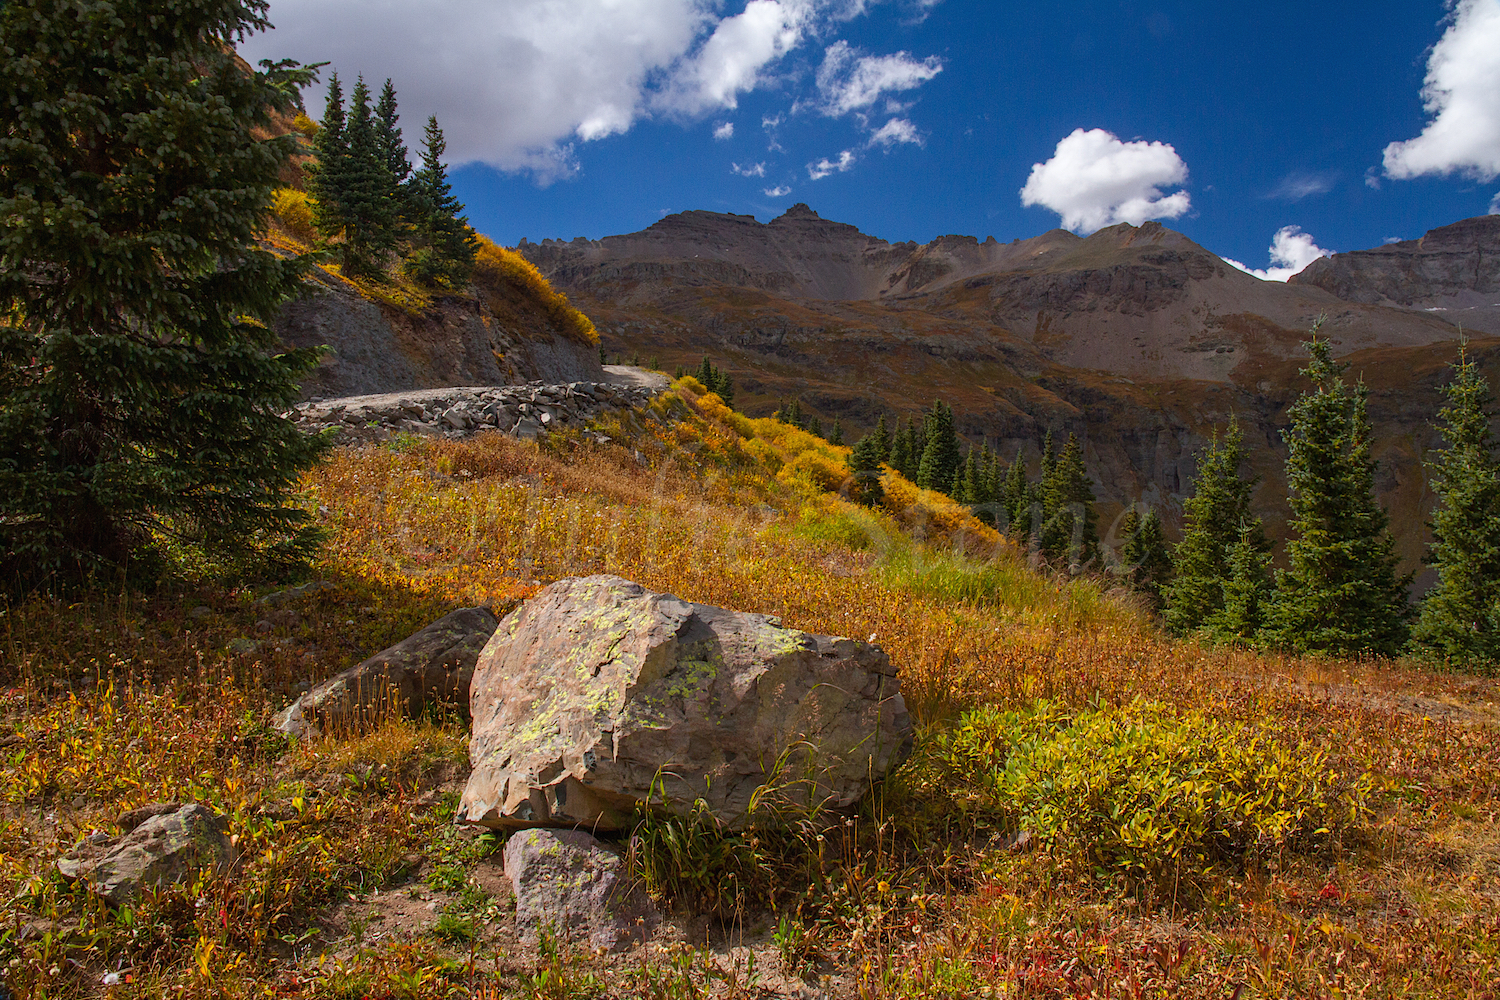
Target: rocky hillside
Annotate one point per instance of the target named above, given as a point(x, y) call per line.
point(491, 337)
point(1135, 338)
point(1453, 272)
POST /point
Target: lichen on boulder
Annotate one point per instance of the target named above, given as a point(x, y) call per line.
point(598, 695)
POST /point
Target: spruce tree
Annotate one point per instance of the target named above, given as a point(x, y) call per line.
point(1340, 593)
point(1144, 559)
point(448, 245)
point(1458, 622)
point(368, 206)
point(388, 136)
point(141, 387)
point(882, 440)
point(1015, 496)
point(327, 174)
point(1245, 593)
point(864, 472)
point(1069, 530)
point(1215, 518)
point(815, 427)
point(836, 436)
point(900, 459)
point(940, 457)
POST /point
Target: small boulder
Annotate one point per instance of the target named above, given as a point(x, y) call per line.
point(598, 694)
point(171, 845)
point(433, 665)
point(575, 887)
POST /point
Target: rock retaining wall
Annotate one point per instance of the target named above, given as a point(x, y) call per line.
point(524, 411)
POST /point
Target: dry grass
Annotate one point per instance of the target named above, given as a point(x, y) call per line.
point(113, 701)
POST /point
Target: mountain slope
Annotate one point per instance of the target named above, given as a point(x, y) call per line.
point(1135, 338)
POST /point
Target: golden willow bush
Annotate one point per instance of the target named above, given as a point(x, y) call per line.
point(495, 265)
point(1161, 797)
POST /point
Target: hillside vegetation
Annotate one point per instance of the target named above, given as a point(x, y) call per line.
point(1090, 810)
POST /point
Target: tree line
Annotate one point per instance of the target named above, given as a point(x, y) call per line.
point(1340, 591)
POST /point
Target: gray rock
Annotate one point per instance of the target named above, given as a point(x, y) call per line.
point(575, 887)
point(597, 695)
point(432, 665)
point(165, 848)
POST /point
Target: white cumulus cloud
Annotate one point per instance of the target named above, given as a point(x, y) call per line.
point(895, 132)
point(1095, 180)
point(1462, 95)
point(778, 192)
point(848, 81)
point(724, 130)
point(825, 166)
point(517, 84)
point(1291, 250)
point(752, 170)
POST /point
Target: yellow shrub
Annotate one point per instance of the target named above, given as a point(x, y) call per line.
point(294, 210)
point(817, 469)
point(494, 263)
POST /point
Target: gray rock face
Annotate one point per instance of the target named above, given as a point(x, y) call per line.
point(1452, 271)
point(598, 694)
point(570, 885)
point(166, 847)
point(432, 665)
point(457, 340)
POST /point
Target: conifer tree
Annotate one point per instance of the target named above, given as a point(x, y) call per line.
point(449, 245)
point(1340, 593)
point(966, 481)
point(366, 204)
point(940, 456)
point(141, 386)
point(864, 472)
point(901, 448)
point(1460, 616)
point(1069, 529)
point(791, 414)
point(1016, 497)
point(882, 440)
point(327, 174)
point(815, 427)
point(388, 136)
point(836, 436)
point(1246, 593)
point(1215, 518)
point(1144, 558)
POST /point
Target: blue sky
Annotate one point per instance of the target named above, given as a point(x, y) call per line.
point(916, 118)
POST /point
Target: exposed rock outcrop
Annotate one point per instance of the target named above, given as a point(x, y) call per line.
point(1453, 270)
point(457, 340)
point(432, 666)
point(598, 694)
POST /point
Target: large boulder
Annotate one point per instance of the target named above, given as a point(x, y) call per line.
point(163, 845)
point(576, 888)
point(598, 694)
point(434, 665)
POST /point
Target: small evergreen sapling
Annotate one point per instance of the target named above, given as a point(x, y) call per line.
point(1215, 518)
point(1245, 593)
point(864, 472)
point(1144, 558)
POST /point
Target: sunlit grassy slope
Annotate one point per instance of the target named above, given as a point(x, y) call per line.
point(1198, 823)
